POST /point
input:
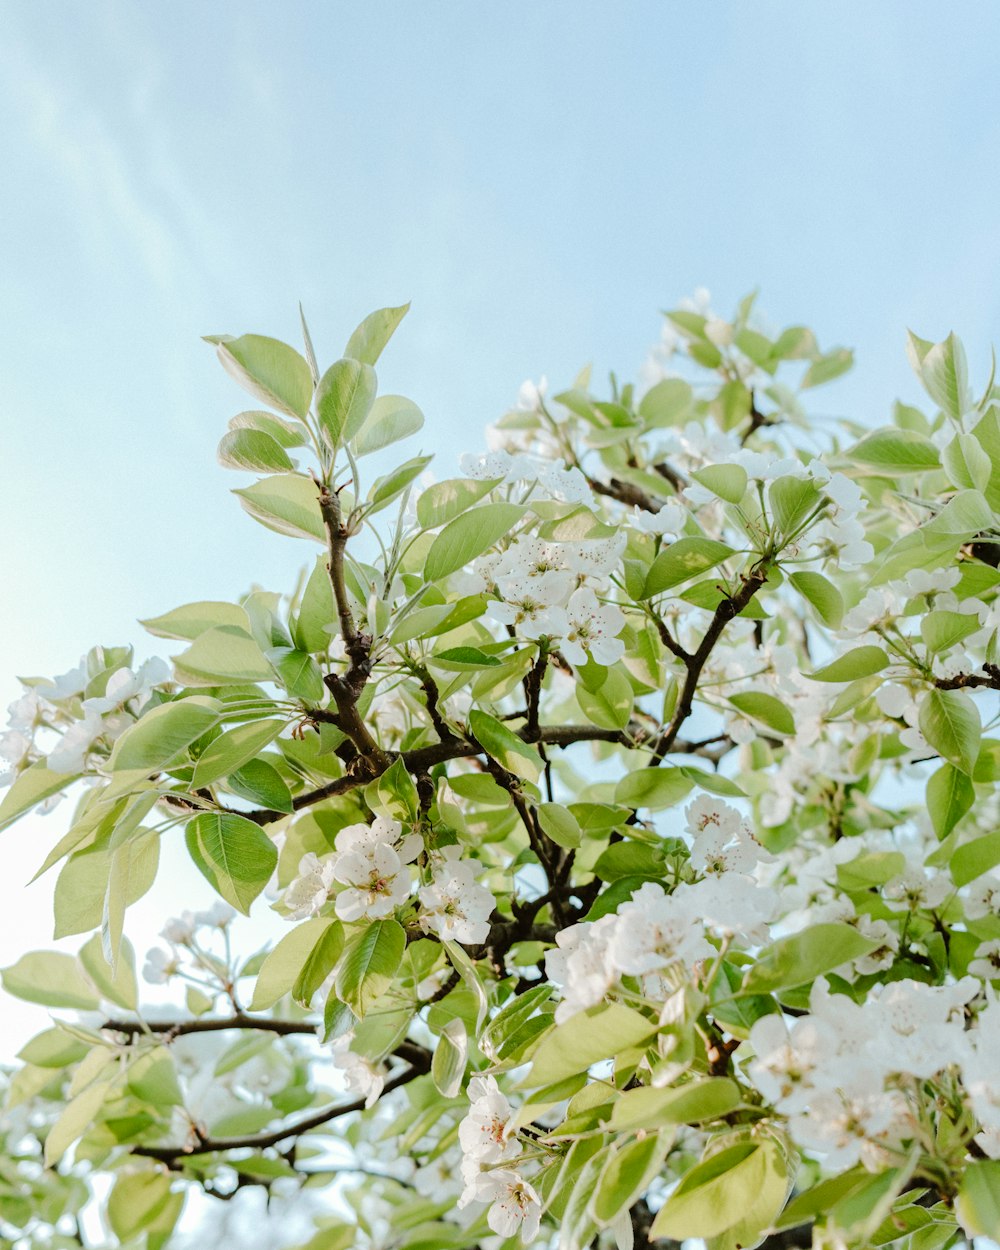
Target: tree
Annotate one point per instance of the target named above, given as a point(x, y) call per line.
point(621, 813)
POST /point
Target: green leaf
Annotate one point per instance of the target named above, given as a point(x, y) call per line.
point(949, 720)
point(370, 961)
point(117, 984)
point(163, 733)
point(253, 450)
point(51, 979)
point(74, 1121)
point(234, 748)
point(585, 1039)
point(468, 536)
point(224, 656)
point(941, 630)
point(893, 451)
point(310, 626)
point(509, 751)
point(370, 338)
point(826, 368)
point(963, 516)
point(977, 1204)
point(681, 560)
point(442, 502)
point(450, 1057)
point(974, 858)
point(859, 662)
point(319, 963)
point(344, 398)
point(136, 1200)
point(801, 957)
point(234, 855)
point(393, 417)
point(270, 370)
point(396, 793)
point(299, 673)
point(950, 794)
point(766, 708)
point(385, 489)
point(728, 481)
point(53, 1048)
point(153, 1078)
point(943, 370)
point(280, 970)
point(193, 619)
point(655, 788)
point(610, 705)
point(464, 659)
point(648, 1108)
point(667, 403)
point(260, 783)
point(285, 503)
point(822, 594)
point(714, 1194)
point(627, 1173)
point(792, 499)
point(30, 787)
point(559, 824)
point(966, 463)
point(285, 433)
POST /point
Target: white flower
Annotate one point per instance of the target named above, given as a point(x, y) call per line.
point(581, 966)
point(361, 1076)
point(984, 897)
point(655, 930)
point(70, 753)
point(531, 395)
point(217, 916)
point(566, 485)
point(514, 1204)
point(670, 519)
point(160, 966)
point(986, 964)
point(484, 1134)
point(488, 467)
point(592, 630)
point(66, 685)
point(378, 882)
point(309, 891)
point(455, 906)
point(383, 829)
point(180, 931)
point(883, 956)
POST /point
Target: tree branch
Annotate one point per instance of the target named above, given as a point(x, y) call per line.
point(962, 681)
point(729, 608)
point(204, 1144)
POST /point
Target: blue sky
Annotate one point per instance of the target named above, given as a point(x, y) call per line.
point(540, 179)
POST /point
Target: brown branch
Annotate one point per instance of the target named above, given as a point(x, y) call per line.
point(962, 681)
point(212, 1024)
point(205, 1144)
point(421, 759)
point(729, 608)
point(626, 493)
point(533, 695)
point(346, 687)
point(674, 476)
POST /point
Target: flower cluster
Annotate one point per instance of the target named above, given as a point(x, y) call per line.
point(489, 1145)
point(63, 720)
point(371, 867)
point(657, 935)
point(550, 589)
point(848, 1075)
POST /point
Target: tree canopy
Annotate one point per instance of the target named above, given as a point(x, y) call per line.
point(621, 813)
